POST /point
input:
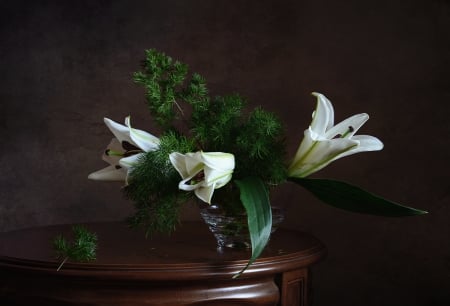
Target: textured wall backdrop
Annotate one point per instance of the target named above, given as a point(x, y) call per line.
point(64, 65)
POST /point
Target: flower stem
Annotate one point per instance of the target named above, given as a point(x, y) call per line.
point(62, 263)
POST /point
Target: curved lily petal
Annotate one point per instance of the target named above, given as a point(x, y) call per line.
point(218, 160)
point(187, 165)
point(305, 146)
point(187, 184)
point(329, 149)
point(321, 155)
point(120, 131)
point(130, 161)
point(205, 194)
point(193, 162)
point(217, 177)
point(348, 127)
point(177, 160)
point(323, 116)
point(109, 173)
point(142, 139)
point(366, 143)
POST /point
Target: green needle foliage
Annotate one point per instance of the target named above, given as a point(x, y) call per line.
point(83, 247)
point(161, 78)
point(154, 186)
point(180, 103)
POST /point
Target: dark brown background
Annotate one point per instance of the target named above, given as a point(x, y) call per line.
point(65, 65)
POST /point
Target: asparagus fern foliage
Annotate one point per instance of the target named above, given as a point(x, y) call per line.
point(83, 248)
point(191, 120)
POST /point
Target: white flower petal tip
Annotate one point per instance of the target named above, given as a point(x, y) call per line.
point(124, 150)
point(142, 139)
point(109, 173)
point(325, 142)
point(203, 172)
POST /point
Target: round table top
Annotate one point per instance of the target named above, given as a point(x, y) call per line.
point(190, 250)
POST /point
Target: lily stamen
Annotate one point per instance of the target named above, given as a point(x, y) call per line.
point(110, 152)
point(197, 178)
point(350, 130)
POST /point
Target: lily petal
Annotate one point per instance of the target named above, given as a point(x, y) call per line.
point(347, 127)
point(217, 177)
point(110, 173)
point(130, 161)
point(177, 160)
point(366, 143)
point(187, 165)
point(218, 160)
point(205, 194)
point(323, 116)
point(321, 155)
point(187, 186)
point(120, 131)
point(305, 146)
point(142, 139)
point(193, 162)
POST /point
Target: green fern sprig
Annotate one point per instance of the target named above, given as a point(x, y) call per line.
point(211, 124)
point(153, 187)
point(83, 248)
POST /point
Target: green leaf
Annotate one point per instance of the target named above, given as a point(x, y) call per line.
point(255, 198)
point(346, 196)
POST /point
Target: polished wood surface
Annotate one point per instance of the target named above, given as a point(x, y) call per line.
point(182, 269)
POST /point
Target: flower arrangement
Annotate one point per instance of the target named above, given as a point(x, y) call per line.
point(212, 149)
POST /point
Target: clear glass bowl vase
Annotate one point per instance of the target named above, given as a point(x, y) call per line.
point(231, 230)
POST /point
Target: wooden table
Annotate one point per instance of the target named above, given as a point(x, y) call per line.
point(183, 269)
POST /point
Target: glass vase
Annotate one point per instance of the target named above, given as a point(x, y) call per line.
point(231, 228)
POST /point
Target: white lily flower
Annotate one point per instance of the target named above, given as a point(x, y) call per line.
point(124, 151)
point(203, 171)
point(325, 142)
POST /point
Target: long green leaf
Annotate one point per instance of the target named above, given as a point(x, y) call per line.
point(255, 198)
point(346, 196)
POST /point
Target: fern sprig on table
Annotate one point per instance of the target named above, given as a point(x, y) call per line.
point(83, 248)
